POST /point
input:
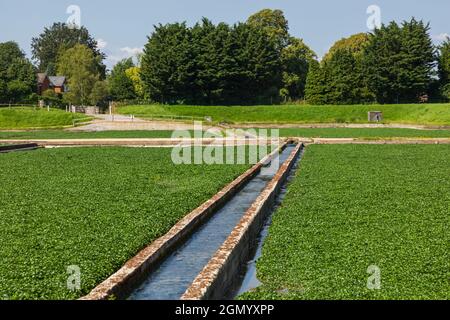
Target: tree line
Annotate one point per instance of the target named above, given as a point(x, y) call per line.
point(17, 74)
point(58, 50)
point(394, 64)
point(247, 63)
point(254, 62)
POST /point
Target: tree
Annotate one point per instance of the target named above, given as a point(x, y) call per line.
point(99, 94)
point(168, 64)
point(399, 61)
point(80, 66)
point(3, 91)
point(295, 61)
point(120, 85)
point(213, 66)
point(210, 64)
point(339, 78)
point(9, 52)
point(258, 71)
point(346, 80)
point(316, 89)
point(51, 98)
point(22, 70)
point(444, 69)
point(274, 23)
point(17, 91)
point(355, 44)
point(58, 38)
point(295, 55)
point(134, 74)
point(17, 74)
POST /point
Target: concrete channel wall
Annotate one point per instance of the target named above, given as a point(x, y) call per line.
point(145, 142)
point(136, 270)
point(167, 142)
point(221, 276)
point(18, 147)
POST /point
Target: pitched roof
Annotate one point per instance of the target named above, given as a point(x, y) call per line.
point(41, 77)
point(57, 81)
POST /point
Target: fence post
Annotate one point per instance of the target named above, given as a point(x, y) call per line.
point(111, 111)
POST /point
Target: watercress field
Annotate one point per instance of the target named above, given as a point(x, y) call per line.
point(90, 207)
point(355, 206)
point(367, 133)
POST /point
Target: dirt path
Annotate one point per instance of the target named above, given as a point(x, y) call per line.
point(127, 123)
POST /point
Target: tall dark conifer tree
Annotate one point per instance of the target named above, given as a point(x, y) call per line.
point(210, 64)
point(399, 62)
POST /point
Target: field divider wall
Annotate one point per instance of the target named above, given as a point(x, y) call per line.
point(222, 274)
point(120, 284)
point(18, 147)
point(168, 142)
point(144, 142)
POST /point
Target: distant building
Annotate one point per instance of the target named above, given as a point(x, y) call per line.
point(424, 98)
point(57, 84)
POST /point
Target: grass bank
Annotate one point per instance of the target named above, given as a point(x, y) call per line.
point(27, 118)
point(352, 207)
point(425, 114)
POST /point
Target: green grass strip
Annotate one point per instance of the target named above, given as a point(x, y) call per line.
point(17, 118)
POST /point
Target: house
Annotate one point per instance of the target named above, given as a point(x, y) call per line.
point(43, 83)
point(57, 84)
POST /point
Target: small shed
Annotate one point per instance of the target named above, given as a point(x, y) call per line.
point(375, 116)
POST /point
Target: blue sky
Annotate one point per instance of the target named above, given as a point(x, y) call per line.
point(123, 26)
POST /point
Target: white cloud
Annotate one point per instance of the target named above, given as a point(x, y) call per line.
point(114, 56)
point(111, 60)
point(441, 36)
point(101, 44)
point(131, 52)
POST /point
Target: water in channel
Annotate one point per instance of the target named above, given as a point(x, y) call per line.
point(173, 276)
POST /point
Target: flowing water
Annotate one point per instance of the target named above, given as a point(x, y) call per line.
point(177, 271)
